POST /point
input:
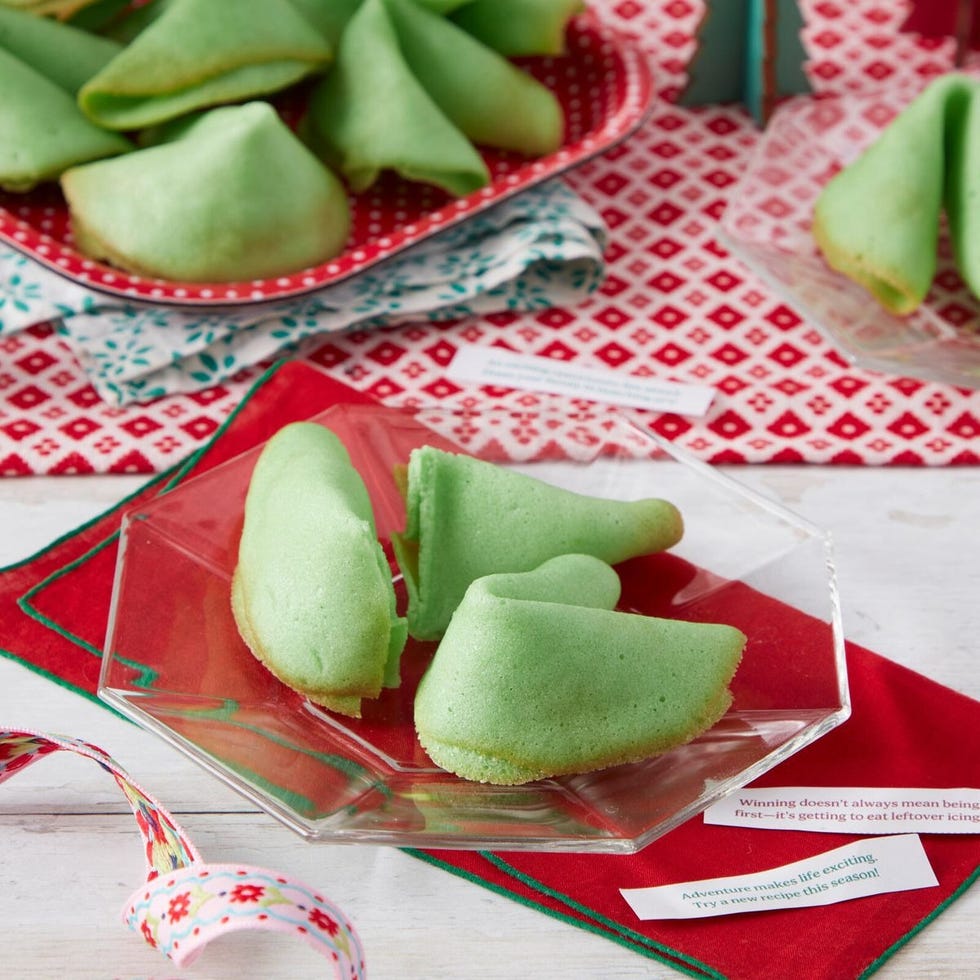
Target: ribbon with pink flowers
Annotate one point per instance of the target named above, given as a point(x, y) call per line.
point(185, 903)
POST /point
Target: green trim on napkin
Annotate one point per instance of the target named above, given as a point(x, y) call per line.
point(624, 937)
point(67, 536)
point(919, 926)
point(169, 478)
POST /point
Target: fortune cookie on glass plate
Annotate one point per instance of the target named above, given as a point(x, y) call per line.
point(467, 518)
point(877, 220)
point(538, 675)
point(236, 197)
point(312, 593)
point(962, 190)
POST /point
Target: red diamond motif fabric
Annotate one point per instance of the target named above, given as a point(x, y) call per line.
point(674, 306)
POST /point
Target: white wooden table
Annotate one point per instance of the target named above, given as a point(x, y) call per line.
point(908, 552)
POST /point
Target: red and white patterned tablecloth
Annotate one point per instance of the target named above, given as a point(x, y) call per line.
point(674, 305)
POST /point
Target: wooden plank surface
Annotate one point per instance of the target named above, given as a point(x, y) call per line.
point(907, 545)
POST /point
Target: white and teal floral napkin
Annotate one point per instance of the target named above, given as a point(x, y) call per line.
point(542, 248)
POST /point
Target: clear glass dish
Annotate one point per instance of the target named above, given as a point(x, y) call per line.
point(174, 662)
point(768, 226)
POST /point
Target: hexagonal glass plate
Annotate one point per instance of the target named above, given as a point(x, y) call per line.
point(767, 225)
point(175, 664)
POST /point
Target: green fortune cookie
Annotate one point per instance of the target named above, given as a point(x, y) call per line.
point(31, 153)
point(519, 27)
point(201, 53)
point(65, 54)
point(236, 197)
point(61, 9)
point(312, 593)
point(329, 17)
point(539, 676)
point(877, 221)
point(489, 99)
point(467, 518)
point(962, 191)
point(371, 114)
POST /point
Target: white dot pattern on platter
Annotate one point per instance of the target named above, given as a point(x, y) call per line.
point(625, 82)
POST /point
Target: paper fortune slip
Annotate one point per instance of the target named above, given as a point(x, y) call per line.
point(851, 810)
point(866, 867)
point(495, 366)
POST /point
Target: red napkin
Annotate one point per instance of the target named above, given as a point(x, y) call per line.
point(905, 731)
point(293, 391)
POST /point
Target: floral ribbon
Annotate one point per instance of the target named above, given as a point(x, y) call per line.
point(185, 903)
